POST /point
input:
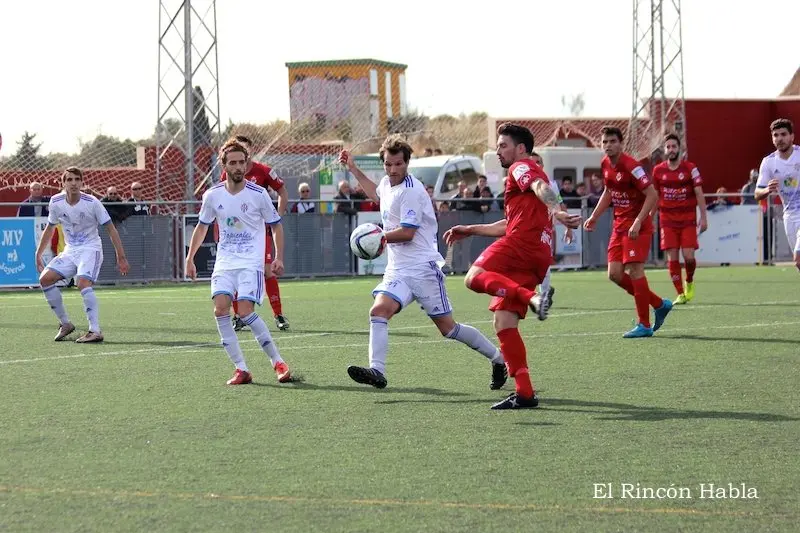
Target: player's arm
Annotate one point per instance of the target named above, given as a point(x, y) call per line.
point(602, 204)
point(283, 200)
point(278, 238)
point(650, 201)
point(277, 184)
point(764, 186)
point(205, 219)
point(456, 233)
point(369, 186)
point(44, 241)
point(411, 209)
point(113, 234)
point(701, 200)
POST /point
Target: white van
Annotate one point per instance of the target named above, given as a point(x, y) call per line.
point(443, 172)
point(578, 163)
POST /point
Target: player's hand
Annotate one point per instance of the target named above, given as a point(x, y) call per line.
point(568, 237)
point(456, 233)
point(589, 224)
point(123, 266)
point(277, 267)
point(773, 186)
point(39, 263)
point(703, 226)
point(633, 232)
point(346, 158)
point(191, 270)
point(570, 221)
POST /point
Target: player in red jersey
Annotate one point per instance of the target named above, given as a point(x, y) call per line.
point(511, 267)
point(680, 193)
point(266, 177)
point(629, 189)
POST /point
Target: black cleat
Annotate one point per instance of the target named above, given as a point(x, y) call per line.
point(238, 324)
point(367, 376)
point(515, 401)
point(550, 294)
point(499, 376)
point(281, 322)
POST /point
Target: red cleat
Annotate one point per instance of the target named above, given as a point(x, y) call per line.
point(240, 377)
point(283, 373)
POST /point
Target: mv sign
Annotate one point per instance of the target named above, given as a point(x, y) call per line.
point(18, 252)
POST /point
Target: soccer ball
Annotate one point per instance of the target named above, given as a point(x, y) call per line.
point(367, 241)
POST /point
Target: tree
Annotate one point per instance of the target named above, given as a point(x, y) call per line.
point(27, 156)
point(574, 104)
point(106, 151)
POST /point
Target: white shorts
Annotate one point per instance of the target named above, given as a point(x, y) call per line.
point(424, 283)
point(76, 261)
point(239, 284)
point(792, 226)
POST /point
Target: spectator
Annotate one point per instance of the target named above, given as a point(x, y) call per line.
point(463, 193)
point(444, 207)
point(568, 194)
point(346, 207)
point(581, 191)
point(721, 202)
point(36, 196)
point(488, 203)
point(303, 205)
point(429, 189)
point(365, 203)
point(749, 189)
point(118, 213)
point(437, 151)
point(139, 206)
point(428, 152)
point(482, 184)
point(595, 189)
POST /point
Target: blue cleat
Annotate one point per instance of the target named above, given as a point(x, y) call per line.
point(639, 331)
point(661, 313)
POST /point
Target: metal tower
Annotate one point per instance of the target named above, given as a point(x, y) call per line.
point(658, 89)
point(188, 90)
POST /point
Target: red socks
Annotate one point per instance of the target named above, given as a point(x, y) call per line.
point(641, 294)
point(674, 268)
point(628, 284)
point(235, 307)
point(691, 265)
point(274, 294)
point(498, 285)
point(513, 350)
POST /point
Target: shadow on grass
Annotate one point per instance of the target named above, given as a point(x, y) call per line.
point(760, 340)
point(299, 384)
point(624, 411)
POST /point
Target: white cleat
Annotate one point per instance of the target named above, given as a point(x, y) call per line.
point(539, 306)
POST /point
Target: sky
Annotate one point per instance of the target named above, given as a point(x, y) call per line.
point(74, 69)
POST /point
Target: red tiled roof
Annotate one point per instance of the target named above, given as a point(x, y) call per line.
point(793, 87)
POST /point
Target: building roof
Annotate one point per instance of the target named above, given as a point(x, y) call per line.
point(793, 87)
point(346, 62)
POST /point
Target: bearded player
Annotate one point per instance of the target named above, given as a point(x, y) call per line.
point(680, 194)
point(511, 267)
point(266, 177)
point(629, 190)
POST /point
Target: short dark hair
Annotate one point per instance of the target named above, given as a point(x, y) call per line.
point(395, 144)
point(242, 139)
point(233, 146)
point(612, 130)
point(72, 170)
point(519, 134)
point(566, 178)
point(535, 154)
point(672, 137)
point(782, 123)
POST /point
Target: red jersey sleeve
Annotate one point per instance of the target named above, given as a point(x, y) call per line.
point(658, 170)
point(697, 179)
point(525, 175)
point(640, 178)
point(267, 177)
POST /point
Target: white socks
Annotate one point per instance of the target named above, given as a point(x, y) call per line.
point(53, 296)
point(262, 335)
point(378, 343)
point(477, 341)
point(230, 342)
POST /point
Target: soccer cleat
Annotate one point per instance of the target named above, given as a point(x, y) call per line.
point(515, 401)
point(240, 377)
point(238, 323)
point(90, 336)
point(367, 376)
point(550, 292)
point(639, 331)
point(689, 291)
point(63, 331)
point(281, 322)
point(499, 376)
point(681, 300)
point(661, 313)
point(283, 373)
point(539, 306)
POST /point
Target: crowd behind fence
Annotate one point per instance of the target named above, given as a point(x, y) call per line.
point(317, 243)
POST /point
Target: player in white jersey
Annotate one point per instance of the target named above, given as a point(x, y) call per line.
point(780, 173)
point(413, 269)
point(80, 215)
point(545, 289)
point(242, 210)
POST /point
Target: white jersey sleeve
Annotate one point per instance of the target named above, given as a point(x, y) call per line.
point(411, 208)
point(207, 212)
point(764, 172)
point(101, 213)
point(52, 212)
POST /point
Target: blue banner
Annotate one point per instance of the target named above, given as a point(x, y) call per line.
point(18, 252)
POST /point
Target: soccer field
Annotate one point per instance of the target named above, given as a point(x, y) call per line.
point(140, 433)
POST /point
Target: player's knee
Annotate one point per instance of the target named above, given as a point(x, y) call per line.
point(381, 310)
point(84, 283)
point(445, 325)
point(471, 276)
point(615, 276)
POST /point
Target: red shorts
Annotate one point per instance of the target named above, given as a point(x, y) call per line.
point(268, 248)
point(685, 237)
point(623, 249)
point(528, 270)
